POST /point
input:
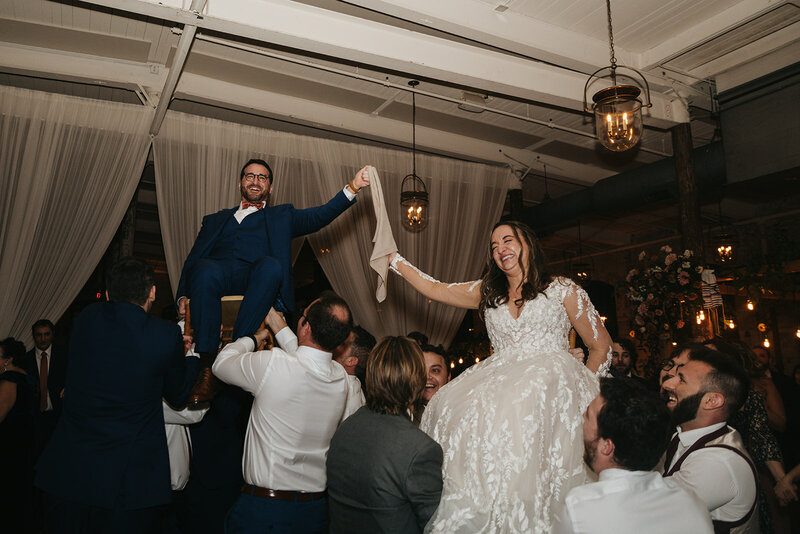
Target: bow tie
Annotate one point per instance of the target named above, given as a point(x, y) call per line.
point(256, 205)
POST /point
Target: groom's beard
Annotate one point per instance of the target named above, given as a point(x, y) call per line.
point(686, 409)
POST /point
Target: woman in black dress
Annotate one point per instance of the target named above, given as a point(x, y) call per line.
point(16, 436)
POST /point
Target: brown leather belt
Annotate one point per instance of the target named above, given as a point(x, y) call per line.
point(283, 495)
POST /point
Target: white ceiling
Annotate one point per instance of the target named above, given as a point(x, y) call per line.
point(333, 68)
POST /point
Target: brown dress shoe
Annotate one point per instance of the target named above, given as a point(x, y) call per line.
point(207, 385)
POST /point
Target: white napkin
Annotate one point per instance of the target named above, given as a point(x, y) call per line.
point(383, 238)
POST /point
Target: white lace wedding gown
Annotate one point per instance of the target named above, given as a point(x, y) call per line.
point(511, 426)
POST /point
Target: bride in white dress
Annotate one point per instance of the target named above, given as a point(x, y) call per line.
point(510, 427)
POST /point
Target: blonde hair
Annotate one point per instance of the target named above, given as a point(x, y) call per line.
point(396, 377)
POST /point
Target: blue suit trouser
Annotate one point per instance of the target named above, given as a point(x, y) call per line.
point(211, 279)
point(256, 515)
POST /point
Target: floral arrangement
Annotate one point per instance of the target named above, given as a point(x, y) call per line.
point(665, 292)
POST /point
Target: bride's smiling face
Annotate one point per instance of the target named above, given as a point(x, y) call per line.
point(507, 251)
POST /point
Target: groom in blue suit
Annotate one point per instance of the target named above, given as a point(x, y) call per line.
point(246, 250)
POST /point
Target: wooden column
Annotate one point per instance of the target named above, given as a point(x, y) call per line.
point(688, 195)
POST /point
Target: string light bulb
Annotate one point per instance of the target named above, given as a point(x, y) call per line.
point(797, 333)
point(750, 305)
point(730, 324)
point(460, 361)
point(452, 365)
point(766, 343)
point(477, 360)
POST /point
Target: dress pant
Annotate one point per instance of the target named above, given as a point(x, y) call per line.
point(211, 279)
point(63, 516)
point(257, 515)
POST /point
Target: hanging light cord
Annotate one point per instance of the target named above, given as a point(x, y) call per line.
point(611, 36)
point(414, 134)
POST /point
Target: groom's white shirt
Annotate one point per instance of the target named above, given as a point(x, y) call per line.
point(632, 502)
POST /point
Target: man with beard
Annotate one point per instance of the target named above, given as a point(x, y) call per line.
point(705, 454)
point(626, 429)
point(246, 250)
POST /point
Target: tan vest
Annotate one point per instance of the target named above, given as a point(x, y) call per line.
point(726, 438)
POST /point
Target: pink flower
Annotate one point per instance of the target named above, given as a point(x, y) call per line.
point(666, 248)
point(659, 312)
point(680, 324)
point(642, 255)
point(671, 258)
point(631, 274)
point(683, 278)
point(650, 296)
point(642, 309)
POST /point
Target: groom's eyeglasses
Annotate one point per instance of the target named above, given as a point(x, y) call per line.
point(260, 177)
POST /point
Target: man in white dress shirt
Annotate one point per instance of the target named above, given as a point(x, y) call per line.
point(625, 431)
point(299, 401)
point(344, 355)
point(705, 454)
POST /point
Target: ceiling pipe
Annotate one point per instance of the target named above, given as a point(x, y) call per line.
point(178, 61)
point(639, 187)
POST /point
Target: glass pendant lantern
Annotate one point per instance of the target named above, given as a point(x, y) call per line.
point(617, 109)
point(413, 193)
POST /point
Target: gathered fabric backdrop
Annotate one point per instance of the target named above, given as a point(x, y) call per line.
point(68, 169)
point(197, 164)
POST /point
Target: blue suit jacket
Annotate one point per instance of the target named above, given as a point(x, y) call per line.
point(109, 448)
point(281, 224)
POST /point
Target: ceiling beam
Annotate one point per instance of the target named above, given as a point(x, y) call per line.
point(81, 68)
point(178, 61)
point(361, 41)
point(707, 30)
point(480, 22)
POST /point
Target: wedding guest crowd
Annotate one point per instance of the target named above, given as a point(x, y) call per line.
point(295, 442)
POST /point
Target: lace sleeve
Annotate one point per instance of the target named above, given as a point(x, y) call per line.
point(460, 294)
point(588, 324)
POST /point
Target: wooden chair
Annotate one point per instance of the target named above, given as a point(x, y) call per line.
point(230, 310)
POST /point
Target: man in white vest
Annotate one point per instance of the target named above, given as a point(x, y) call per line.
point(705, 454)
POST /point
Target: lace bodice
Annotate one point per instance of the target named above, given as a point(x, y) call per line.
point(543, 324)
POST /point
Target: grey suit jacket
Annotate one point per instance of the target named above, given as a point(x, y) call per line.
point(384, 475)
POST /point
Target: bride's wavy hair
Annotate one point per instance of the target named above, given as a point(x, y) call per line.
point(494, 284)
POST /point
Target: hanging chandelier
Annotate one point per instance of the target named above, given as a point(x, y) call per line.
point(617, 109)
point(725, 241)
point(413, 193)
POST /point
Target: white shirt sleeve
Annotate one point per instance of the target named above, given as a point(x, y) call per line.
point(287, 340)
point(236, 364)
point(349, 194)
point(186, 416)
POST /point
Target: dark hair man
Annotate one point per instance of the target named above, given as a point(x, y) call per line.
point(300, 398)
point(705, 454)
point(246, 250)
point(625, 431)
point(437, 370)
point(46, 363)
point(106, 469)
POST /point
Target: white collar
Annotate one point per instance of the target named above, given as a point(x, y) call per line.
point(617, 472)
point(690, 437)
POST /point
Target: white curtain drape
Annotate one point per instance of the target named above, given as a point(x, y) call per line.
point(68, 170)
point(197, 164)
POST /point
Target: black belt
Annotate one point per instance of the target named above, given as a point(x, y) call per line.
point(283, 495)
